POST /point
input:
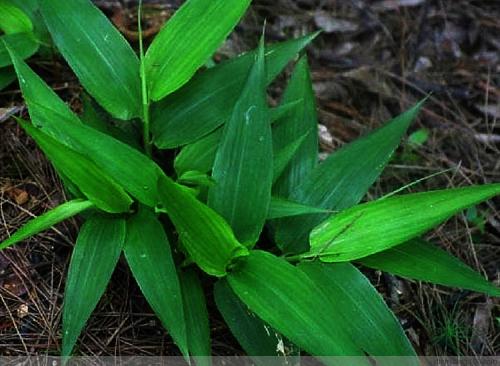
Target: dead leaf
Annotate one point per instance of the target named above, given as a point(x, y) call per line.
point(330, 24)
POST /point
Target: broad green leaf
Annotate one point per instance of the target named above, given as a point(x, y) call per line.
point(23, 44)
point(366, 317)
point(255, 336)
point(207, 238)
point(13, 19)
point(244, 157)
point(148, 254)
point(122, 162)
point(47, 220)
point(301, 121)
point(7, 76)
point(200, 155)
point(288, 300)
point(379, 225)
point(423, 261)
point(196, 178)
point(92, 181)
point(188, 39)
point(94, 258)
point(280, 207)
point(196, 313)
point(208, 100)
point(342, 180)
point(106, 65)
point(27, 6)
point(283, 156)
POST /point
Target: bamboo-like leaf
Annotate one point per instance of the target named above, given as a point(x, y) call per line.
point(148, 254)
point(122, 162)
point(255, 336)
point(188, 39)
point(301, 121)
point(243, 158)
point(207, 238)
point(342, 180)
point(13, 19)
point(24, 44)
point(7, 76)
point(288, 300)
point(208, 100)
point(200, 155)
point(196, 313)
point(196, 178)
point(379, 225)
point(284, 155)
point(99, 55)
point(94, 258)
point(423, 261)
point(366, 317)
point(92, 181)
point(280, 207)
point(47, 220)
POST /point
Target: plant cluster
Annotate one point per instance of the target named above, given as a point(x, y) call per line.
point(243, 200)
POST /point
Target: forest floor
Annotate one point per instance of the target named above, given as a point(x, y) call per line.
point(373, 60)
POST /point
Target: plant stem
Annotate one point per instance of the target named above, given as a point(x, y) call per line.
point(144, 88)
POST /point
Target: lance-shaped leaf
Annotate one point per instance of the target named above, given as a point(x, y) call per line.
point(208, 100)
point(188, 39)
point(92, 181)
point(13, 19)
point(342, 180)
point(379, 225)
point(283, 155)
point(7, 76)
point(148, 254)
point(288, 300)
point(47, 220)
point(102, 59)
point(24, 44)
point(423, 261)
point(196, 313)
point(207, 238)
point(94, 258)
point(301, 121)
point(200, 155)
point(243, 167)
point(122, 162)
point(366, 317)
point(255, 336)
point(280, 207)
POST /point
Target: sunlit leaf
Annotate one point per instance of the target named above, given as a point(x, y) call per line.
point(280, 207)
point(13, 19)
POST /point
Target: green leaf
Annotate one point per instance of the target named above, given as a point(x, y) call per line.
point(195, 310)
point(94, 258)
point(188, 39)
point(92, 181)
point(120, 161)
point(284, 155)
point(102, 59)
point(47, 220)
point(207, 238)
point(423, 261)
point(301, 121)
point(243, 158)
point(7, 76)
point(13, 19)
point(23, 44)
point(255, 336)
point(196, 178)
point(280, 207)
point(200, 155)
point(208, 100)
point(288, 300)
point(342, 180)
point(379, 225)
point(366, 317)
point(148, 254)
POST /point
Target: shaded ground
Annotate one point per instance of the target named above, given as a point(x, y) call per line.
point(374, 59)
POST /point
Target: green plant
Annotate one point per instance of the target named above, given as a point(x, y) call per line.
point(22, 28)
point(241, 167)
